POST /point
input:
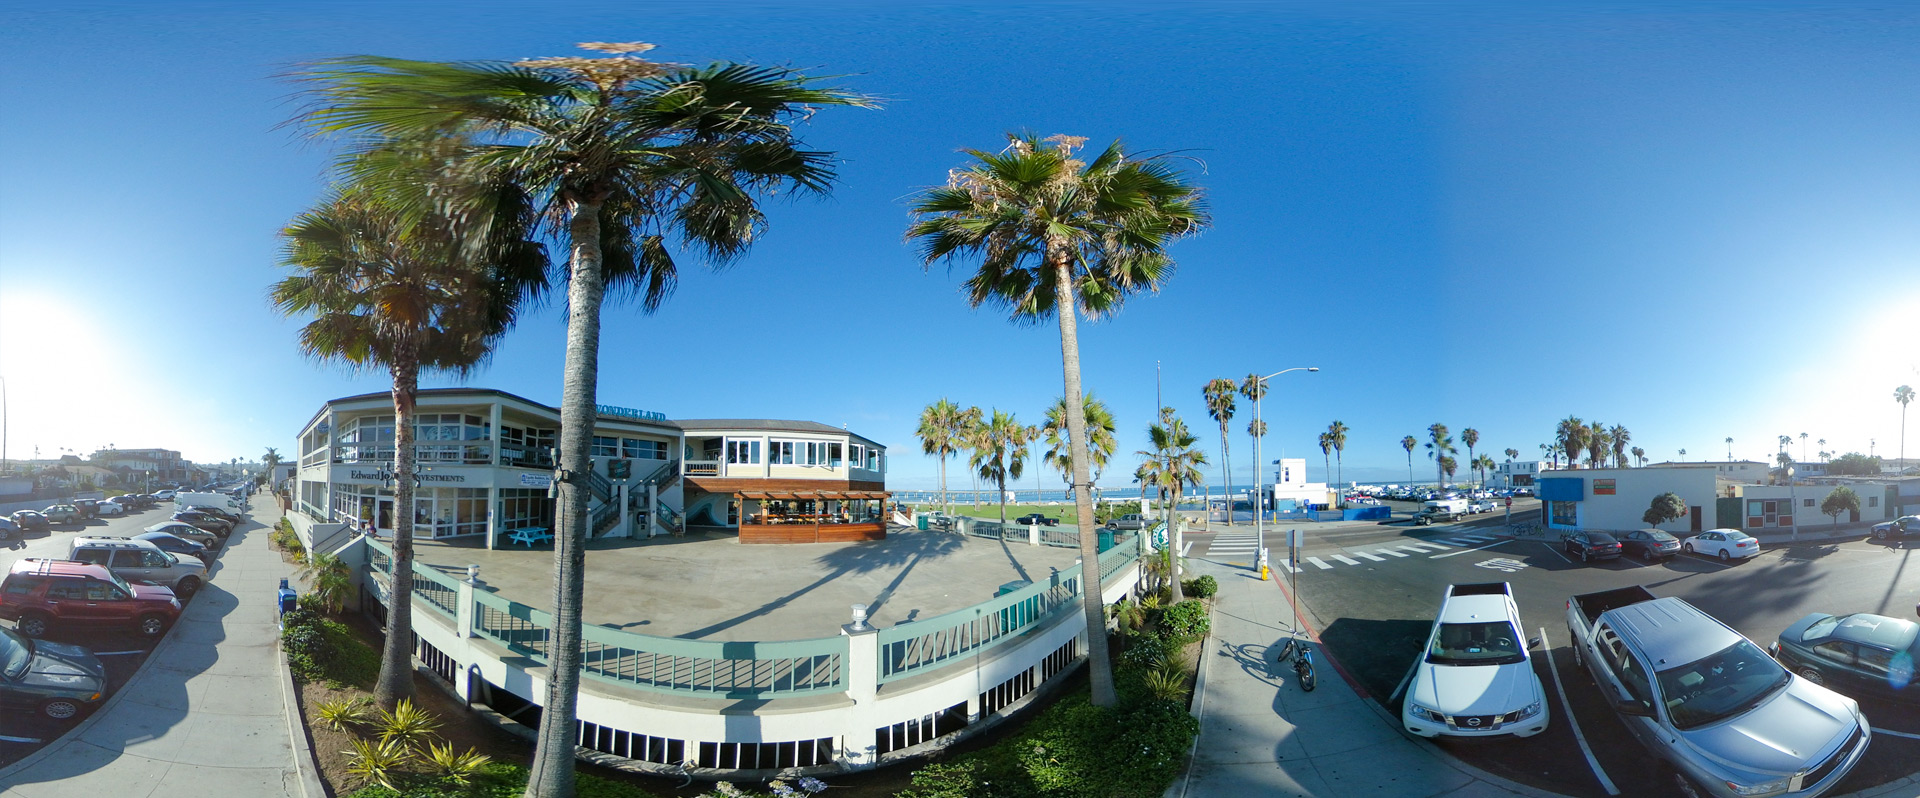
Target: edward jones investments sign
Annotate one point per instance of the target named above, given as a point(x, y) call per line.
point(1603, 487)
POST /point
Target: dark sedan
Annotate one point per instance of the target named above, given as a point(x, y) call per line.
point(1589, 545)
point(225, 515)
point(9, 530)
point(174, 544)
point(1861, 655)
point(56, 680)
point(1649, 544)
point(31, 521)
point(1037, 518)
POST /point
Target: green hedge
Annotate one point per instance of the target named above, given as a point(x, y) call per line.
point(499, 780)
point(323, 650)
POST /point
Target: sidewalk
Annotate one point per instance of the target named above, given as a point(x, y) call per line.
point(207, 714)
point(1261, 735)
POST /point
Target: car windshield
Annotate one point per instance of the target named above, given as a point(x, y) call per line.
point(16, 653)
point(1488, 643)
point(1820, 628)
point(1719, 686)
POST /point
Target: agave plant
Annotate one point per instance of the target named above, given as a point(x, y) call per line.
point(459, 768)
point(377, 762)
point(1167, 682)
point(344, 713)
point(407, 724)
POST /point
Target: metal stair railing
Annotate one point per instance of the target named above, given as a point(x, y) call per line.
point(599, 485)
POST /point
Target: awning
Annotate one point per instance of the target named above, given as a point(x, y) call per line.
point(817, 495)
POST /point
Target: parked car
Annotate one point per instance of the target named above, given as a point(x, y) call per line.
point(9, 530)
point(1649, 544)
point(1590, 545)
point(62, 514)
point(89, 508)
point(226, 515)
point(40, 594)
point(204, 537)
point(179, 546)
point(56, 680)
point(1727, 544)
point(207, 522)
point(31, 520)
point(1709, 702)
point(1036, 518)
point(108, 507)
point(165, 495)
point(1897, 528)
point(1475, 679)
point(1860, 655)
point(141, 561)
point(1443, 510)
point(1132, 521)
point(1522, 492)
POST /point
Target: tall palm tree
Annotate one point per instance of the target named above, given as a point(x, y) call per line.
point(1823, 449)
point(1470, 437)
point(1571, 433)
point(1003, 445)
point(1729, 448)
point(621, 160)
point(1253, 388)
point(939, 435)
point(1408, 443)
point(1482, 463)
point(1441, 444)
point(1326, 454)
point(1511, 454)
point(1785, 441)
point(1337, 435)
point(1219, 393)
point(1903, 395)
point(1059, 236)
point(1639, 456)
point(271, 461)
point(1803, 446)
point(972, 420)
point(1619, 437)
point(1599, 442)
point(1171, 465)
point(388, 291)
point(1101, 442)
point(1683, 455)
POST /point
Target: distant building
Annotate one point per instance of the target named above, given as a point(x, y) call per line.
point(1291, 490)
point(1516, 473)
point(163, 465)
point(1752, 472)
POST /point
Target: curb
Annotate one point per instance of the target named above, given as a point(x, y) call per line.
point(307, 768)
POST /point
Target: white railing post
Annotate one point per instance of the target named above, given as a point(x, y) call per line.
point(863, 687)
point(653, 509)
point(1033, 534)
point(463, 613)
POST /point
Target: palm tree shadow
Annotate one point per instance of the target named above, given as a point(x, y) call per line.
point(898, 551)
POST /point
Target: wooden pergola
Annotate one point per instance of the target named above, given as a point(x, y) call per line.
point(817, 526)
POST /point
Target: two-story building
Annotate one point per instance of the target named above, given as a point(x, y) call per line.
point(484, 462)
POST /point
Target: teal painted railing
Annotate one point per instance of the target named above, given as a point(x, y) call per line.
point(438, 589)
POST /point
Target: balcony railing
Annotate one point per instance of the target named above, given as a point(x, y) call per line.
point(703, 468)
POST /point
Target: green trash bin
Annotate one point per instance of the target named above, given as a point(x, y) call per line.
point(921, 522)
point(1106, 539)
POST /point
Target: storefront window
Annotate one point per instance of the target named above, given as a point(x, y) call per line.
point(1563, 513)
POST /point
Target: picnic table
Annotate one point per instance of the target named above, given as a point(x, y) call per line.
point(529, 535)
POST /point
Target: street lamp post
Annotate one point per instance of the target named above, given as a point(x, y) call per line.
point(1259, 474)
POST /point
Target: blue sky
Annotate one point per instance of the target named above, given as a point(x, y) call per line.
point(1695, 220)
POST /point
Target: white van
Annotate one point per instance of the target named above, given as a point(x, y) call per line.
point(215, 500)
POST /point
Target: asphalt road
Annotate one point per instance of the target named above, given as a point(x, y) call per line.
point(121, 652)
point(1372, 593)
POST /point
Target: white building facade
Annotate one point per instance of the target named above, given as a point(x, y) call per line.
point(1612, 499)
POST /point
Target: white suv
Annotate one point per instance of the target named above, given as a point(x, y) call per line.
point(1475, 679)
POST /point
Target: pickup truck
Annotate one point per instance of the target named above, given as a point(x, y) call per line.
point(1710, 703)
point(1447, 510)
point(1130, 521)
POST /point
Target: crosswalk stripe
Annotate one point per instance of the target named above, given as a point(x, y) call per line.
point(1322, 563)
point(1423, 547)
point(1371, 557)
point(1347, 560)
point(1461, 542)
point(1390, 552)
point(1478, 538)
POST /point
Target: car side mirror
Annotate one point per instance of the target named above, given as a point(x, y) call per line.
point(1533, 642)
point(1634, 708)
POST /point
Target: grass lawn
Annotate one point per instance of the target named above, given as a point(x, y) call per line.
point(1065, 512)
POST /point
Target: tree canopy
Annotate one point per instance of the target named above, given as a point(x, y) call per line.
point(1665, 507)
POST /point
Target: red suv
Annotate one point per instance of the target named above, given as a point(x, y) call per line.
point(40, 594)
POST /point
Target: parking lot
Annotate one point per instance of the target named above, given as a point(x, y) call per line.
point(1373, 594)
point(121, 652)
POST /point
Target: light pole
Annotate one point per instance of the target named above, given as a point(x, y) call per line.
point(1259, 474)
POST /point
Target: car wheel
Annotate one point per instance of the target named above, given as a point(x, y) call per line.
point(1726, 556)
point(60, 709)
point(1814, 676)
point(187, 586)
point(34, 624)
point(1688, 548)
point(151, 625)
point(1879, 534)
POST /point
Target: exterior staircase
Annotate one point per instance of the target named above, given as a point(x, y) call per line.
point(606, 511)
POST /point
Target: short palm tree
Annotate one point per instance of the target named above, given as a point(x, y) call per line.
point(1618, 438)
point(1337, 435)
point(1002, 454)
point(1172, 465)
point(622, 161)
point(1483, 464)
point(1903, 395)
point(1408, 443)
point(1219, 394)
point(386, 290)
point(1571, 435)
point(1729, 448)
point(1058, 236)
point(1639, 456)
point(939, 434)
point(1100, 438)
point(270, 462)
point(1512, 453)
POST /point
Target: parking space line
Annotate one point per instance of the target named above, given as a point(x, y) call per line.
point(1470, 551)
point(1319, 562)
point(117, 653)
point(1698, 557)
point(29, 740)
point(1368, 556)
point(1556, 552)
point(1878, 730)
point(1567, 710)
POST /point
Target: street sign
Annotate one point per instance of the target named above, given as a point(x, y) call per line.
point(1509, 501)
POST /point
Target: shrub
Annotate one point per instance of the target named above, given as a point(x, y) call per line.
point(1128, 616)
point(1186, 621)
point(1200, 587)
point(458, 769)
point(344, 713)
point(321, 650)
point(408, 724)
point(1166, 683)
point(1144, 651)
point(960, 779)
point(379, 762)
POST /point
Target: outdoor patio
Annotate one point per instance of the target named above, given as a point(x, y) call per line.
point(707, 586)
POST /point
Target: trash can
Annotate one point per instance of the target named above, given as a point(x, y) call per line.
point(920, 521)
point(1106, 539)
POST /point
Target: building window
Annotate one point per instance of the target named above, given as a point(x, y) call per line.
point(733, 512)
point(1806, 502)
point(833, 454)
point(1563, 513)
point(780, 452)
point(525, 507)
point(606, 447)
point(643, 449)
point(1873, 501)
point(741, 452)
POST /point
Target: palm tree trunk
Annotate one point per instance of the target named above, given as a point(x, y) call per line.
point(1174, 544)
point(1099, 664)
point(1340, 461)
point(944, 506)
point(1002, 482)
point(551, 774)
point(396, 654)
point(1226, 476)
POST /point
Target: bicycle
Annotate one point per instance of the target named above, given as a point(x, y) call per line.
point(1302, 656)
